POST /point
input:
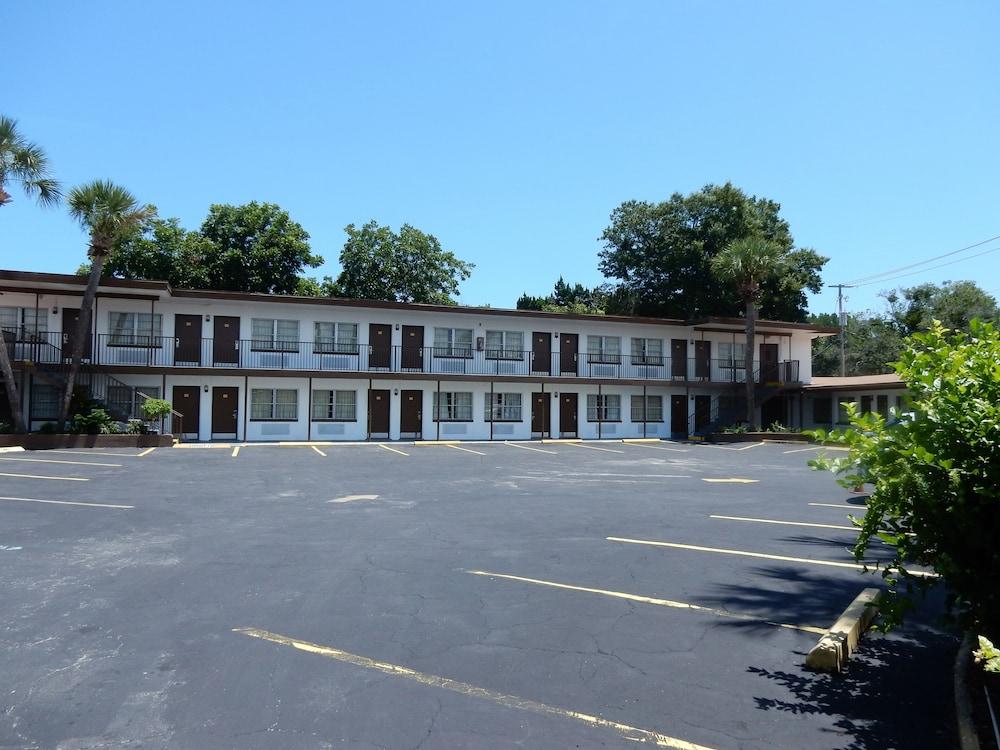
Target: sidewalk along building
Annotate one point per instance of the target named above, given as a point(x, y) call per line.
point(260, 367)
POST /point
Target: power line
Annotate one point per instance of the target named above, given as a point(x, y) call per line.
point(862, 281)
point(923, 270)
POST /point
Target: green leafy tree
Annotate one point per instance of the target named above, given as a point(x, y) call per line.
point(746, 264)
point(661, 253)
point(954, 303)
point(872, 344)
point(408, 266)
point(575, 298)
point(108, 212)
point(935, 474)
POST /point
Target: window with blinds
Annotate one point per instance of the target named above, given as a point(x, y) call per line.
point(453, 342)
point(648, 410)
point(647, 351)
point(135, 329)
point(604, 349)
point(335, 338)
point(452, 406)
point(335, 406)
point(606, 407)
point(504, 345)
point(274, 405)
point(503, 407)
point(272, 335)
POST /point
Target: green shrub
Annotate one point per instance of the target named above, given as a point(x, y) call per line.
point(156, 408)
point(738, 428)
point(96, 422)
point(776, 426)
point(6, 428)
point(936, 474)
point(136, 427)
point(47, 428)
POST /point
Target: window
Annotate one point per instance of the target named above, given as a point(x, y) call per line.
point(866, 404)
point(647, 351)
point(274, 404)
point(27, 323)
point(336, 338)
point(45, 401)
point(503, 407)
point(654, 409)
point(604, 408)
point(135, 329)
point(337, 406)
point(731, 354)
point(271, 335)
point(453, 342)
point(453, 407)
point(504, 345)
point(124, 399)
point(882, 406)
point(607, 349)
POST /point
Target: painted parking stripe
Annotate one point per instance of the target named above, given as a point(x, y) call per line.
point(743, 553)
point(648, 600)
point(146, 452)
point(654, 447)
point(58, 461)
point(236, 451)
point(394, 450)
point(730, 480)
point(529, 448)
point(839, 505)
point(818, 448)
point(595, 447)
point(786, 523)
point(37, 476)
point(460, 448)
point(318, 450)
point(66, 502)
point(729, 448)
point(96, 453)
point(463, 688)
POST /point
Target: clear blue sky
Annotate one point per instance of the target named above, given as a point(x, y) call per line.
point(510, 130)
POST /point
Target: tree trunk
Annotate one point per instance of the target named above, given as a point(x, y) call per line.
point(13, 397)
point(82, 332)
point(751, 314)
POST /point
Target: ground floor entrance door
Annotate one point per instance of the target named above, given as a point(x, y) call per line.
point(702, 412)
point(187, 402)
point(568, 415)
point(771, 411)
point(411, 414)
point(541, 414)
point(225, 412)
point(378, 413)
point(70, 321)
point(678, 417)
point(769, 363)
point(187, 339)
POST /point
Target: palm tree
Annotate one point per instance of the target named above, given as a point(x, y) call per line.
point(108, 212)
point(745, 263)
point(24, 162)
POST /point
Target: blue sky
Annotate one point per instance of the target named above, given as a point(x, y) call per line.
point(510, 130)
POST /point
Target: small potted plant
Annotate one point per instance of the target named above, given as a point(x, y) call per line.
point(156, 409)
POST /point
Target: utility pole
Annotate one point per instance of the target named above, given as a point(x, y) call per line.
point(842, 319)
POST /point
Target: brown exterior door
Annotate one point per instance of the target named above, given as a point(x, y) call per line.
point(702, 412)
point(413, 347)
point(70, 320)
point(569, 349)
point(378, 412)
point(225, 340)
point(225, 409)
point(679, 358)
point(769, 363)
point(772, 410)
point(541, 413)
point(541, 352)
point(411, 412)
point(567, 413)
point(379, 345)
point(187, 402)
point(187, 339)
point(678, 417)
point(703, 359)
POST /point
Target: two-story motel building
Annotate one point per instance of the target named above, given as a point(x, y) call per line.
point(257, 367)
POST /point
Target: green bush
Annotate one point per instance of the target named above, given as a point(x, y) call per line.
point(6, 428)
point(96, 422)
point(47, 428)
point(136, 427)
point(738, 428)
point(776, 426)
point(936, 474)
point(156, 408)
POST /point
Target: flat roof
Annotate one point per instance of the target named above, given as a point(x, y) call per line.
point(855, 382)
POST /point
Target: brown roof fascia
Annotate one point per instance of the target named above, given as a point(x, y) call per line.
point(68, 278)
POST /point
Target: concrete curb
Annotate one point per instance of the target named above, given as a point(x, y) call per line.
point(12, 449)
point(968, 739)
point(839, 642)
point(436, 442)
point(641, 440)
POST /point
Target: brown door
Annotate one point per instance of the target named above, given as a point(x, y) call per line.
point(187, 402)
point(225, 409)
point(378, 412)
point(702, 412)
point(187, 339)
point(678, 417)
point(413, 347)
point(70, 320)
point(541, 352)
point(379, 345)
point(703, 359)
point(226, 340)
point(569, 349)
point(541, 413)
point(679, 358)
point(769, 363)
point(411, 412)
point(772, 410)
point(567, 413)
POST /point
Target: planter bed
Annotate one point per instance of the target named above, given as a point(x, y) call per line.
point(41, 442)
point(756, 437)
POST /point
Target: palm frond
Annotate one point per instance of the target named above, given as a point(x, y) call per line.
point(746, 262)
point(107, 211)
point(26, 163)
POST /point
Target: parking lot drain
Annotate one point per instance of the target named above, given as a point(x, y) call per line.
point(463, 688)
point(840, 641)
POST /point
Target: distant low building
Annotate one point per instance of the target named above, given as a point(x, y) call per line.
point(824, 397)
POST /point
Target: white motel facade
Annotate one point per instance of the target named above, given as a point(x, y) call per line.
point(258, 367)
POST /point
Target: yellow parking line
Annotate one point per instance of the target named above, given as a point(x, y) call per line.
point(66, 502)
point(840, 505)
point(594, 447)
point(318, 450)
point(394, 450)
point(57, 461)
point(818, 448)
point(742, 553)
point(529, 448)
point(146, 452)
point(236, 451)
point(648, 600)
point(654, 447)
point(786, 523)
point(463, 688)
point(36, 476)
point(459, 448)
point(728, 448)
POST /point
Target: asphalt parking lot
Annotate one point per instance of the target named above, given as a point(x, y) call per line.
point(542, 595)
